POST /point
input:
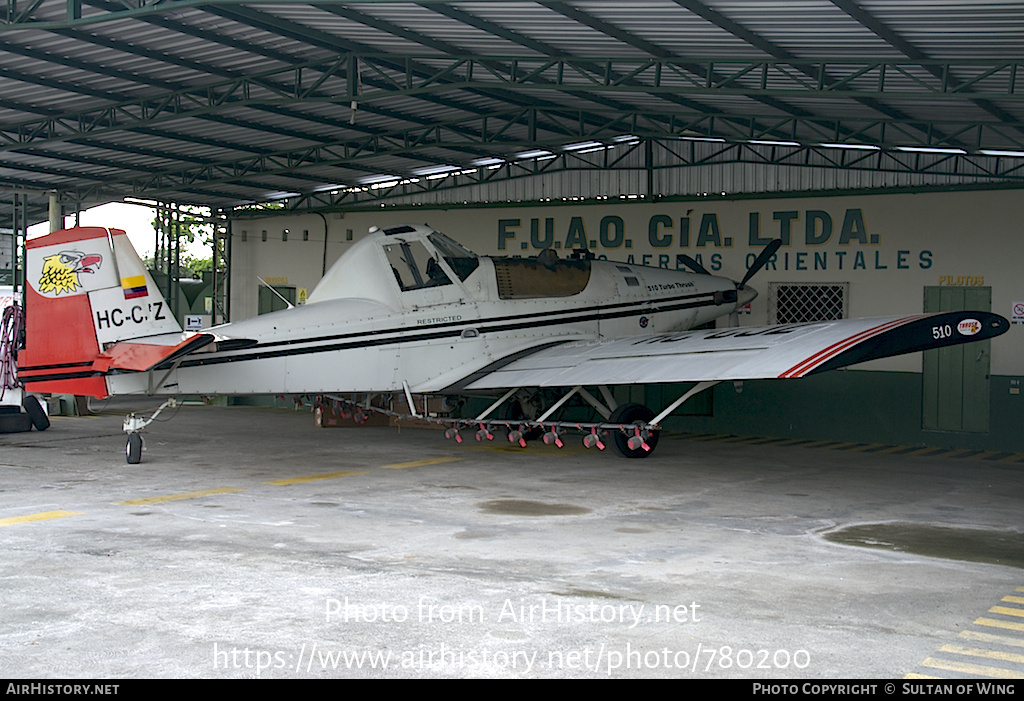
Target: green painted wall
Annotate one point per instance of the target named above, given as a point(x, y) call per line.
point(853, 405)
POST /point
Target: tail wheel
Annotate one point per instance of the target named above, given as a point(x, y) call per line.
point(633, 414)
point(133, 450)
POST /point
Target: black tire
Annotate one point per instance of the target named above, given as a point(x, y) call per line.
point(35, 412)
point(512, 411)
point(133, 450)
point(14, 421)
point(628, 414)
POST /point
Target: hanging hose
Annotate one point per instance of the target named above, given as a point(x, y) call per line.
point(10, 335)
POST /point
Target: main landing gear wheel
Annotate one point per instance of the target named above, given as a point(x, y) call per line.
point(35, 412)
point(133, 450)
point(630, 414)
point(512, 411)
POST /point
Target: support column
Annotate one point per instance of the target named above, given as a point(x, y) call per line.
point(56, 220)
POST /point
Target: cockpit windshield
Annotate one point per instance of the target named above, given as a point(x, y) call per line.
point(460, 259)
point(413, 267)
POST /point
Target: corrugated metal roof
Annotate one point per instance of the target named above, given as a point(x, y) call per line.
point(228, 103)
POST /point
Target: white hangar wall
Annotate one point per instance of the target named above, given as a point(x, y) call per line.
point(887, 247)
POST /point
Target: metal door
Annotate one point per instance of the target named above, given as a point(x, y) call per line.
point(956, 378)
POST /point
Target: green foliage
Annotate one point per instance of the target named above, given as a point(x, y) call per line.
point(190, 225)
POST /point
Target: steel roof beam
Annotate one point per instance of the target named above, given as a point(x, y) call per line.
point(908, 49)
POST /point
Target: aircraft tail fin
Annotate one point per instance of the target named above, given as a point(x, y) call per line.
point(86, 289)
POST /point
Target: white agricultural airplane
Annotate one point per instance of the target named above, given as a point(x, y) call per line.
point(408, 310)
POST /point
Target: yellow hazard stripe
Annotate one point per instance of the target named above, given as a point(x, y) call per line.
point(996, 623)
point(418, 463)
point(178, 497)
point(42, 516)
point(314, 478)
point(967, 668)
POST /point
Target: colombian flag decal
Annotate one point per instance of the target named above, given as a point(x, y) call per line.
point(134, 287)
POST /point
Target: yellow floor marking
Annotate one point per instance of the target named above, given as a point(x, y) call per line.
point(314, 478)
point(869, 446)
point(990, 638)
point(42, 516)
point(178, 497)
point(1014, 599)
point(893, 449)
point(927, 449)
point(995, 623)
point(987, 454)
point(418, 463)
point(506, 447)
point(978, 669)
point(915, 675)
point(1007, 611)
point(979, 652)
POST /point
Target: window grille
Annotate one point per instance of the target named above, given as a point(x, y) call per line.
point(798, 302)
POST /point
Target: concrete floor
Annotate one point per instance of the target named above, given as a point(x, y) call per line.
point(251, 543)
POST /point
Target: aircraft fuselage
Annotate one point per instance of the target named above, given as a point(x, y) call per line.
point(432, 338)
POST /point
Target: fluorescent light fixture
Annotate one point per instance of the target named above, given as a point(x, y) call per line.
point(490, 161)
point(434, 170)
point(582, 145)
point(929, 149)
point(996, 152)
point(710, 139)
point(761, 142)
point(539, 153)
point(372, 179)
point(853, 147)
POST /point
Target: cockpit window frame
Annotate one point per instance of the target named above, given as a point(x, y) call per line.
point(412, 268)
point(460, 259)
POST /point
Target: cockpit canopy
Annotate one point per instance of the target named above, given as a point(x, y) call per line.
point(424, 265)
point(415, 267)
point(413, 254)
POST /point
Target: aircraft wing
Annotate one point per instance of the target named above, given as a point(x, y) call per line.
point(738, 353)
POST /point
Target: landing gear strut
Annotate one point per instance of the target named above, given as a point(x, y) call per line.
point(633, 428)
point(133, 425)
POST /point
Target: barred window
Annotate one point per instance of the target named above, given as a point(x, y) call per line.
point(796, 302)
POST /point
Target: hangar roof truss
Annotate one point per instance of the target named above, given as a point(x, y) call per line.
point(326, 104)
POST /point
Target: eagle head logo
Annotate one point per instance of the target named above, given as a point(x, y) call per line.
point(61, 270)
